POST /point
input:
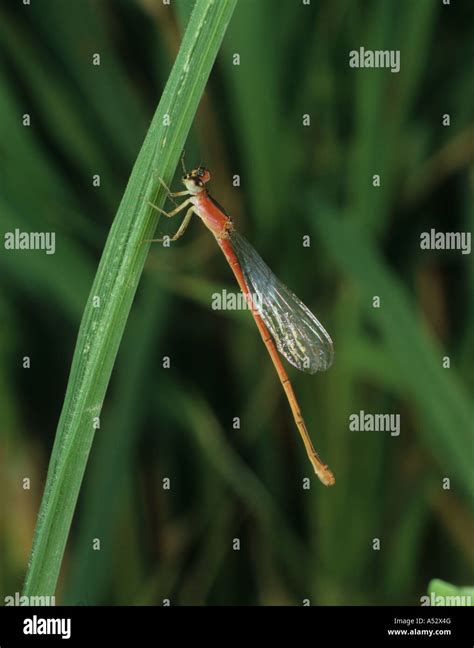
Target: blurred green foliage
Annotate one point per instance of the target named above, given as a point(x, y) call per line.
point(295, 180)
point(461, 595)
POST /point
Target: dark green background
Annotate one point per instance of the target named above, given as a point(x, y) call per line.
point(156, 423)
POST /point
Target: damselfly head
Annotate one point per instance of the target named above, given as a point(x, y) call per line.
point(195, 180)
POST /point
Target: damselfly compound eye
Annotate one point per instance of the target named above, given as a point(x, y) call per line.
point(203, 174)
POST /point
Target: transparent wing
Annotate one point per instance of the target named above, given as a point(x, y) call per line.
point(298, 335)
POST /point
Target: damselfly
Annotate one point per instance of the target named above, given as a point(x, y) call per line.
point(284, 322)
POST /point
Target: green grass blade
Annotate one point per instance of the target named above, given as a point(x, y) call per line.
point(114, 288)
point(87, 578)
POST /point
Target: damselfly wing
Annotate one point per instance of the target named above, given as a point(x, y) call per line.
point(299, 336)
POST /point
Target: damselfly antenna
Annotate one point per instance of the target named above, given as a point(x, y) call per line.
point(182, 162)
